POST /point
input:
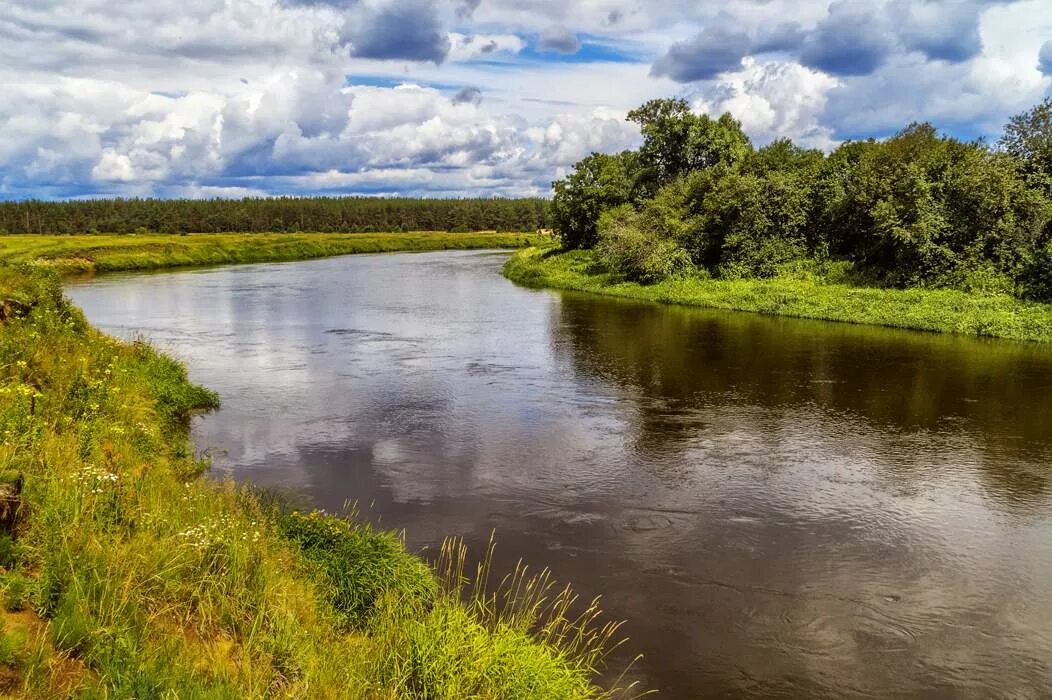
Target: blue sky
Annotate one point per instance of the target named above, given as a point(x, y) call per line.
point(206, 98)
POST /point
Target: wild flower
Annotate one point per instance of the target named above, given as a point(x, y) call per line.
point(222, 529)
point(95, 480)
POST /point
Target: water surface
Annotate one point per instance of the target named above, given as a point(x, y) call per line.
point(778, 507)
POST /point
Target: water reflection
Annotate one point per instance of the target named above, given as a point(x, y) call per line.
point(919, 391)
point(779, 507)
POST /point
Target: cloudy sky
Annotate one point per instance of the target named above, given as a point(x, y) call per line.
point(458, 97)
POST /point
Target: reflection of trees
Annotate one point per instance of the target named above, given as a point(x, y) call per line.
point(675, 361)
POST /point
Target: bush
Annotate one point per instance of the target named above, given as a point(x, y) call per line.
point(636, 253)
point(11, 645)
point(1036, 280)
point(599, 182)
point(16, 590)
point(744, 256)
point(358, 564)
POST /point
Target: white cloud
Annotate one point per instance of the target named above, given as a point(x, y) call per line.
point(773, 100)
point(238, 96)
point(114, 166)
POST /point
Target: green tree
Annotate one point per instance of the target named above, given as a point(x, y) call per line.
point(677, 141)
point(630, 246)
point(924, 209)
point(597, 183)
point(1028, 136)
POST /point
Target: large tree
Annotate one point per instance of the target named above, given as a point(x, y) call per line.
point(677, 141)
point(1028, 136)
point(599, 182)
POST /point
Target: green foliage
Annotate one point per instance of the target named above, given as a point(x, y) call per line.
point(677, 141)
point(11, 645)
point(468, 660)
point(16, 588)
point(804, 289)
point(599, 182)
point(359, 564)
point(479, 640)
point(8, 550)
point(634, 251)
point(915, 210)
point(1037, 275)
point(1028, 137)
point(280, 214)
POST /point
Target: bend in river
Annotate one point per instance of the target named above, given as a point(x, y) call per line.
point(778, 507)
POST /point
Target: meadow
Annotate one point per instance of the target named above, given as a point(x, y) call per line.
point(113, 253)
point(123, 573)
point(831, 296)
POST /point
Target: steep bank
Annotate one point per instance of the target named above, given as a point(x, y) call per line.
point(125, 574)
point(939, 310)
point(98, 253)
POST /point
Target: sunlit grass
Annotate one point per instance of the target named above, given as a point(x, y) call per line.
point(802, 296)
point(133, 577)
point(99, 253)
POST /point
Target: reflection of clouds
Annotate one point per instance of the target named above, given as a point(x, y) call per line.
point(772, 504)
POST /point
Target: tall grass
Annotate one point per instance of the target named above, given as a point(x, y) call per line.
point(86, 254)
point(829, 297)
point(127, 575)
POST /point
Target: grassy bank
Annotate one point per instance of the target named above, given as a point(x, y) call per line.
point(124, 574)
point(803, 296)
point(98, 253)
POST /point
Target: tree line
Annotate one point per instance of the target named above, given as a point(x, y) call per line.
point(280, 214)
point(916, 209)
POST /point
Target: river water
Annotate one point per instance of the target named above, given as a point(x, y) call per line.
point(777, 507)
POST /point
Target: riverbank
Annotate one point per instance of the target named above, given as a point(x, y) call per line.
point(125, 574)
point(102, 253)
point(938, 310)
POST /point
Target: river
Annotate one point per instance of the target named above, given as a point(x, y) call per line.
point(779, 508)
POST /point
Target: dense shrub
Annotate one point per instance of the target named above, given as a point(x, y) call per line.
point(917, 209)
point(360, 564)
point(1036, 280)
point(636, 252)
point(599, 182)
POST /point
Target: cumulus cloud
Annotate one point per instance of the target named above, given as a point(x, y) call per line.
point(469, 94)
point(279, 136)
point(559, 39)
point(772, 99)
point(465, 47)
point(466, 9)
point(398, 29)
point(855, 39)
point(206, 97)
point(717, 49)
point(941, 31)
point(720, 47)
point(851, 38)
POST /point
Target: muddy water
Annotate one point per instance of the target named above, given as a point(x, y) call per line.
point(778, 507)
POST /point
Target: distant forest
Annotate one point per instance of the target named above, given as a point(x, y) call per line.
point(322, 214)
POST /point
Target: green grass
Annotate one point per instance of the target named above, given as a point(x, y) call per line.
point(802, 296)
point(128, 575)
point(101, 253)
